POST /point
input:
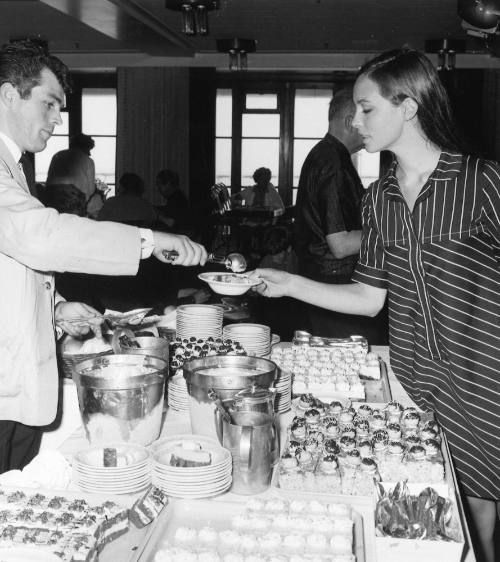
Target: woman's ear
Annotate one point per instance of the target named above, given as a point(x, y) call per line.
point(410, 108)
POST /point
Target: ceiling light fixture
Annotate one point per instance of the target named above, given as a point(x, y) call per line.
point(194, 14)
point(237, 49)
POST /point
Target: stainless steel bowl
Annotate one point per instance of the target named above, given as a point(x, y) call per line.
point(121, 397)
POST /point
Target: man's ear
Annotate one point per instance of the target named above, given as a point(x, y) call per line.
point(348, 121)
point(410, 108)
point(8, 94)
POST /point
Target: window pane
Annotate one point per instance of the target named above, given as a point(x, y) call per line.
point(368, 166)
point(301, 149)
point(103, 155)
point(257, 153)
point(260, 125)
point(223, 161)
point(64, 128)
point(262, 101)
point(99, 111)
point(42, 159)
point(224, 113)
point(311, 112)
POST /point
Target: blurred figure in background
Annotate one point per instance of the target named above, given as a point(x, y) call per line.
point(74, 166)
point(174, 214)
point(262, 195)
point(128, 206)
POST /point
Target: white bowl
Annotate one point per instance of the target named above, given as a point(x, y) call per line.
point(228, 283)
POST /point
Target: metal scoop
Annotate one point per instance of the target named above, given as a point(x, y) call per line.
point(234, 261)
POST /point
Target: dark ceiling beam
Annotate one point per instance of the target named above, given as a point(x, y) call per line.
point(127, 22)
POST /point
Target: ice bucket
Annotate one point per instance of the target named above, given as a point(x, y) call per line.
point(227, 375)
point(121, 397)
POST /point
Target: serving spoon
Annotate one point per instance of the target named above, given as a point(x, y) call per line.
point(234, 261)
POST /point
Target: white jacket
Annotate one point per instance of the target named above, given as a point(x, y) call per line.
point(34, 242)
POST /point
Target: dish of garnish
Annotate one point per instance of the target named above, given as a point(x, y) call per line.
point(228, 283)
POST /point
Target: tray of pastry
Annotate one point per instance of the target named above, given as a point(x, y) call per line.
point(261, 527)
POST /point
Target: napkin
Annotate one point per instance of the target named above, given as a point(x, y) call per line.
point(49, 469)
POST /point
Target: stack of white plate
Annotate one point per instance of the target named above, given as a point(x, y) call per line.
point(177, 393)
point(191, 481)
point(199, 321)
point(283, 385)
point(255, 338)
point(132, 473)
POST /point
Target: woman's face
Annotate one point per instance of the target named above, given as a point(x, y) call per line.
point(379, 122)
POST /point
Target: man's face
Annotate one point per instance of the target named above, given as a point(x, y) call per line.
point(32, 120)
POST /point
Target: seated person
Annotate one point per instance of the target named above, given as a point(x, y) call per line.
point(63, 197)
point(128, 206)
point(174, 214)
point(263, 195)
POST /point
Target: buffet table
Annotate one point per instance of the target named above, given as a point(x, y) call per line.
point(129, 546)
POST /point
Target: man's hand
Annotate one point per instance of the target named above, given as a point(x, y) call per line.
point(275, 283)
point(190, 253)
point(78, 318)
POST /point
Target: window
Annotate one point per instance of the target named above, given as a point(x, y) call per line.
point(58, 141)
point(275, 127)
point(90, 110)
point(99, 121)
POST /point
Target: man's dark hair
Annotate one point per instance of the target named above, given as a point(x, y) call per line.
point(22, 62)
point(341, 103)
point(131, 184)
point(168, 176)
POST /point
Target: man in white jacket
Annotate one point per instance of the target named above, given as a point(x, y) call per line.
point(35, 242)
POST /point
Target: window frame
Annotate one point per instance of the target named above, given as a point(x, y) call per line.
point(284, 84)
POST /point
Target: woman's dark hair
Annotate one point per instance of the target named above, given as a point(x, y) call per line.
point(83, 142)
point(65, 198)
point(406, 73)
point(168, 176)
point(22, 62)
point(131, 184)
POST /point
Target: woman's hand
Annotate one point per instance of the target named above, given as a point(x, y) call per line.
point(78, 318)
point(189, 252)
point(274, 282)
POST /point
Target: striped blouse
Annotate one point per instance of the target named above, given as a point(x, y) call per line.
point(441, 266)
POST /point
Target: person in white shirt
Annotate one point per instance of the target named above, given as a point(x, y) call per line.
point(35, 242)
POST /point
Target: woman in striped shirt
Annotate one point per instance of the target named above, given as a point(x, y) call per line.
point(431, 243)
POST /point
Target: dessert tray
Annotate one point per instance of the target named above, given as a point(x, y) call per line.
point(269, 527)
point(70, 526)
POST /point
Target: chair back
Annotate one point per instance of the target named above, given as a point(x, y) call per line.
point(220, 196)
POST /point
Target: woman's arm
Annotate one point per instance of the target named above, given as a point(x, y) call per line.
point(352, 298)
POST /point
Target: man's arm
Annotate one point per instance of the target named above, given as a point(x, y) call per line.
point(345, 243)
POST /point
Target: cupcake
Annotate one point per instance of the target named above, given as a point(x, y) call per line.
point(311, 444)
point(396, 449)
point(417, 452)
point(329, 464)
point(394, 408)
point(365, 411)
point(305, 402)
point(412, 439)
point(185, 535)
point(349, 430)
point(377, 421)
point(365, 448)
point(298, 432)
point(316, 541)
point(330, 447)
point(346, 417)
point(394, 431)
point(353, 457)
point(428, 433)
point(294, 542)
point(270, 541)
point(332, 429)
point(411, 419)
point(312, 416)
point(368, 465)
point(347, 443)
point(334, 408)
point(381, 435)
point(293, 446)
point(305, 459)
point(431, 447)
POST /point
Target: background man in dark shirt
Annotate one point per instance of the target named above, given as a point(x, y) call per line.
point(328, 220)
